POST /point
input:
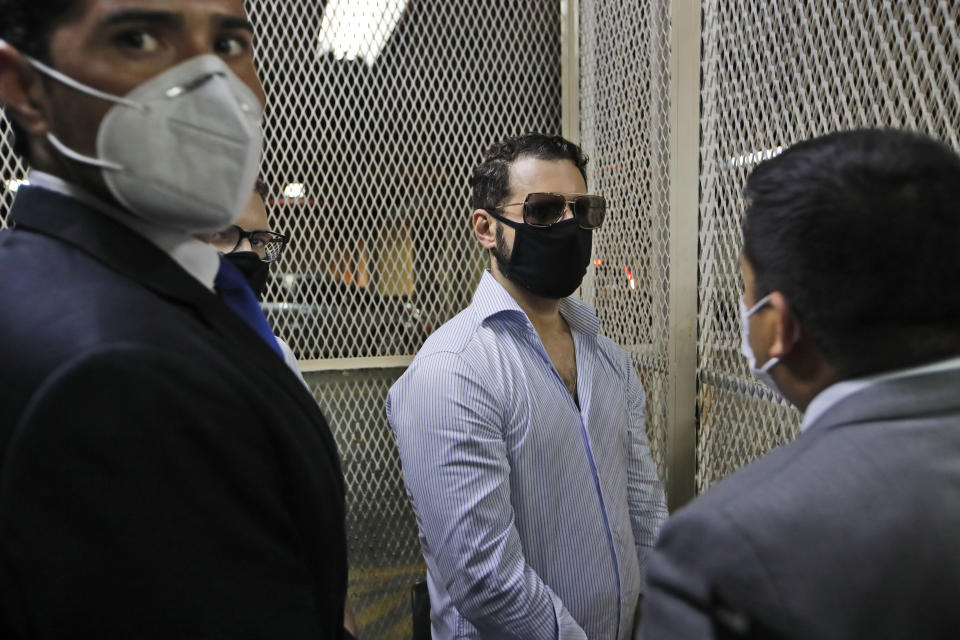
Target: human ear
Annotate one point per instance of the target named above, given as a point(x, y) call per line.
point(786, 329)
point(484, 228)
point(21, 92)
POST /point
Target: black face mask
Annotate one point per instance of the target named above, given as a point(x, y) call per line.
point(253, 269)
point(547, 262)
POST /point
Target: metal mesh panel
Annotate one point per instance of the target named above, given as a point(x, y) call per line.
point(385, 558)
point(12, 171)
point(775, 73)
point(624, 89)
point(369, 162)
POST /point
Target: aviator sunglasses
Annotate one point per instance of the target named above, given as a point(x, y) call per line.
point(544, 209)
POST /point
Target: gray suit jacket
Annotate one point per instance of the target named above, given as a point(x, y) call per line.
point(850, 531)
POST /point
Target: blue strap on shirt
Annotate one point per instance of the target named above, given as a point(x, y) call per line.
point(236, 293)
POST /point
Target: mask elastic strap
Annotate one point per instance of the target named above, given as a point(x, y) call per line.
point(79, 157)
point(760, 304)
point(769, 364)
point(506, 221)
point(752, 310)
point(522, 225)
point(82, 88)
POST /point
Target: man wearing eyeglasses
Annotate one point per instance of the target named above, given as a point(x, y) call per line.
point(521, 430)
point(250, 247)
point(248, 244)
point(162, 473)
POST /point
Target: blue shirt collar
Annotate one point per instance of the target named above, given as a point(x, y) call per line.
point(491, 299)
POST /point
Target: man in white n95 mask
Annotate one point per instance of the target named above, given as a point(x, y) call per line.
point(164, 473)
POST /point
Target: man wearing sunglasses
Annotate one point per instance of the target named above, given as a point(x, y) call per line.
point(521, 430)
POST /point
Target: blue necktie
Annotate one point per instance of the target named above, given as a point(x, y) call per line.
point(233, 289)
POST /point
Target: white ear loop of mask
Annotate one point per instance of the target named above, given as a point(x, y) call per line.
point(746, 349)
point(90, 91)
point(82, 88)
point(762, 373)
point(79, 157)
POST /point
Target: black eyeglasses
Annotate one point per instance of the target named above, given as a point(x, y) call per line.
point(544, 209)
point(266, 244)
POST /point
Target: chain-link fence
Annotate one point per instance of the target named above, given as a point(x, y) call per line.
point(625, 130)
point(774, 73)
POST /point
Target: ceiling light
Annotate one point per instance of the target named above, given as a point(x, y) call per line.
point(354, 29)
point(294, 190)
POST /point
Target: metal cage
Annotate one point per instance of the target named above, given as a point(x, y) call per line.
point(379, 109)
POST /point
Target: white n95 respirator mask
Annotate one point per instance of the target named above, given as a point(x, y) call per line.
point(182, 150)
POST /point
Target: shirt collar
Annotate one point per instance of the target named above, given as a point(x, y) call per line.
point(492, 299)
point(196, 257)
point(580, 316)
point(833, 394)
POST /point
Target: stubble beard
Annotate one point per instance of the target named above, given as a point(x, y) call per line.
point(501, 255)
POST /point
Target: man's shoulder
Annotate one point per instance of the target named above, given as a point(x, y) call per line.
point(39, 260)
point(775, 494)
point(63, 296)
point(464, 351)
point(460, 336)
point(64, 306)
point(785, 469)
point(846, 506)
point(612, 350)
point(758, 515)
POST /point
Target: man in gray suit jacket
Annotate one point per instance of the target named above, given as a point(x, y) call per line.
point(851, 309)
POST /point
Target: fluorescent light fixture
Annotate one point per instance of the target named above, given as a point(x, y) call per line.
point(13, 185)
point(354, 29)
point(294, 190)
point(754, 157)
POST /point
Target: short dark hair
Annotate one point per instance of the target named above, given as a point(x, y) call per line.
point(490, 180)
point(27, 26)
point(860, 231)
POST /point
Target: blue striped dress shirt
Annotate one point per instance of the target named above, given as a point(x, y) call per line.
point(536, 516)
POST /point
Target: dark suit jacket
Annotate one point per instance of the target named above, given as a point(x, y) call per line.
point(162, 473)
point(851, 531)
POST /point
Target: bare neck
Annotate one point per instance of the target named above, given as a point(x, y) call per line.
point(805, 374)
